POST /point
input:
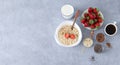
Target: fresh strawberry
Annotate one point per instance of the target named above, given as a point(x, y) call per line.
point(95, 10)
point(91, 16)
point(92, 26)
point(83, 20)
point(98, 17)
point(86, 14)
point(100, 20)
point(86, 24)
point(67, 35)
point(72, 36)
point(94, 16)
point(97, 24)
point(90, 9)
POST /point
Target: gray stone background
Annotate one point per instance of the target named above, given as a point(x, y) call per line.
point(27, 30)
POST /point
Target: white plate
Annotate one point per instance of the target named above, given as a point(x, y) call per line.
point(67, 23)
point(86, 11)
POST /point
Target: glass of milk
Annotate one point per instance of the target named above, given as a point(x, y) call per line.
point(67, 11)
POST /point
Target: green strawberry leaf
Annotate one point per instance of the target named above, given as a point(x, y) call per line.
point(97, 9)
point(91, 22)
point(97, 27)
point(88, 18)
point(81, 18)
point(99, 14)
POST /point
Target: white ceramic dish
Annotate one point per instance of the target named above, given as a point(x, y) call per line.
point(68, 23)
point(86, 11)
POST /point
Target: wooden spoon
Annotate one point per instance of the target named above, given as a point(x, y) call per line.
point(75, 18)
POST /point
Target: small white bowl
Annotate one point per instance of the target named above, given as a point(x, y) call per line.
point(86, 11)
point(67, 11)
point(68, 23)
point(114, 23)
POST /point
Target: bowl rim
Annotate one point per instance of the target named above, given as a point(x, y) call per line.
point(89, 27)
point(65, 23)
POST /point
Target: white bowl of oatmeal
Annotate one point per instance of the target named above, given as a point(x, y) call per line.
point(66, 37)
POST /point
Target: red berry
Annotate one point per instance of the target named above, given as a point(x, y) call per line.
point(95, 10)
point(91, 16)
point(94, 16)
point(97, 14)
point(100, 20)
point(67, 35)
point(83, 21)
point(72, 36)
point(86, 24)
point(92, 26)
point(86, 14)
point(98, 17)
point(90, 9)
point(97, 24)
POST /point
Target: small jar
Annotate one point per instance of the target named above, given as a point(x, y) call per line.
point(98, 48)
point(67, 11)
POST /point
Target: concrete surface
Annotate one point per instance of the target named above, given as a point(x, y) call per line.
point(27, 30)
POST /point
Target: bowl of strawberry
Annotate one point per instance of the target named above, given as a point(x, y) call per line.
point(92, 18)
